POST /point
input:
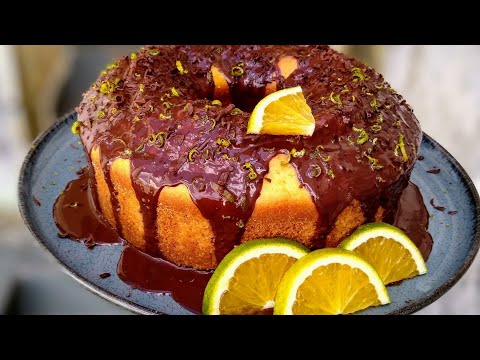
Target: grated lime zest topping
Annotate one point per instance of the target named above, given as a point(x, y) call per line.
point(180, 67)
point(357, 74)
point(191, 153)
point(76, 127)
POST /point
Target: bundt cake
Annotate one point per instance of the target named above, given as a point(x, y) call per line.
point(178, 176)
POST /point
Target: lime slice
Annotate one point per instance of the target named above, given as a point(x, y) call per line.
point(246, 280)
point(329, 282)
point(283, 112)
point(388, 249)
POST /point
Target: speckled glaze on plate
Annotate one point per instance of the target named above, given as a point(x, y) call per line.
point(56, 156)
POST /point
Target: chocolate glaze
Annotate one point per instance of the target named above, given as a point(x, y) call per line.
point(36, 201)
point(76, 216)
point(412, 217)
point(137, 98)
point(436, 207)
point(113, 197)
point(144, 272)
point(187, 285)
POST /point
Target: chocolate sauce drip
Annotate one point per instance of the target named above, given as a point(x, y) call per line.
point(144, 272)
point(77, 218)
point(113, 196)
point(155, 108)
point(148, 199)
point(412, 217)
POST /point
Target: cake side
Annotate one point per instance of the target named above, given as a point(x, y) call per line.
point(185, 237)
point(284, 208)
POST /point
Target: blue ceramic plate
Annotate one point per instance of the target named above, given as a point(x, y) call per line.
point(56, 156)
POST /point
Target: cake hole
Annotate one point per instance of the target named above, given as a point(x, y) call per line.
point(246, 97)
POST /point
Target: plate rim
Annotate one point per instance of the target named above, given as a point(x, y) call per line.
point(139, 309)
point(22, 196)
